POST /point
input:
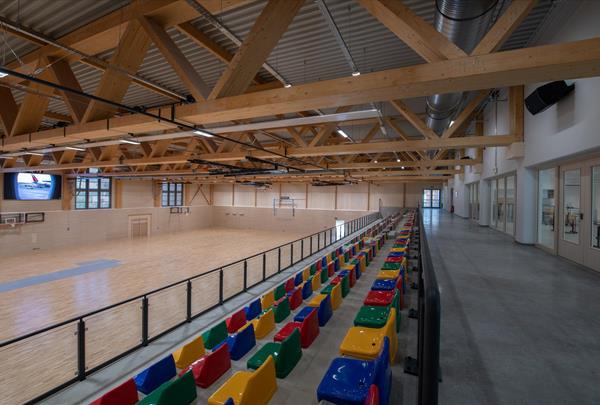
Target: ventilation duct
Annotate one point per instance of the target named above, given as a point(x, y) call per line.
point(464, 22)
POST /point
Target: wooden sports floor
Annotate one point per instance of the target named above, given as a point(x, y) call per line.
point(42, 288)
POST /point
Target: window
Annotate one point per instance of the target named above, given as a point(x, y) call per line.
point(546, 207)
point(92, 193)
point(431, 198)
point(172, 194)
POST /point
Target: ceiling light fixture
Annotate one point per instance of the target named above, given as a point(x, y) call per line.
point(375, 161)
point(342, 133)
point(451, 123)
point(75, 148)
point(35, 154)
point(287, 85)
point(2, 74)
point(129, 142)
point(402, 167)
point(398, 160)
point(356, 73)
point(202, 133)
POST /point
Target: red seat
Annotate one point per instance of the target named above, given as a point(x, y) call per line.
point(372, 396)
point(124, 394)
point(394, 259)
point(319, 265)
point(309, 330)
point(236, 321)
point(295, 298)
point(379, 298)
point(209, 368)
point(330, 268)
point(289, 285)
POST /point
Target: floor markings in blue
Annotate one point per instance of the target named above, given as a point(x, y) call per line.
point(82, 268)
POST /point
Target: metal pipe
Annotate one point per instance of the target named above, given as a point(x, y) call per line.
point(464, 22)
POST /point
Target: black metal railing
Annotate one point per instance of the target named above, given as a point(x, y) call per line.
point(187, 299)
point(427, 363)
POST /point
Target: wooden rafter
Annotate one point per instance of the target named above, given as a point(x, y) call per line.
point(63, 75)
point(465, 115)
point(327, 129)
point(9, 109)
point(414, 119)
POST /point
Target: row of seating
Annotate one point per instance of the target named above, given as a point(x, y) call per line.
point(206, 358)
point(286, 349)
point(363, 374)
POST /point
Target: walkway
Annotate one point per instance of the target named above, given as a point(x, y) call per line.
point(519, 326)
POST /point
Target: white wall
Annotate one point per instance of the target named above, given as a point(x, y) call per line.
point(562, 132)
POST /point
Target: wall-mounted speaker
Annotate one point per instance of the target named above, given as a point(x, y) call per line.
point(547, 95)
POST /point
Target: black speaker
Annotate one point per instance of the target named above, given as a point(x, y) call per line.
point(547, 95)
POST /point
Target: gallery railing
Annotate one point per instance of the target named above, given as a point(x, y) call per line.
point(109, 333)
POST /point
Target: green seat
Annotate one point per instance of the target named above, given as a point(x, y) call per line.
point(347, 255)
point(372, 317)
point(282, 310)
point(391, 266)
point(181, 391)
point(324, 275)
point(327, 290)
point(345, 285)
point(286, 354)
point(313, 268)
point(215, 335)
point(279, 292)
point(396, 304)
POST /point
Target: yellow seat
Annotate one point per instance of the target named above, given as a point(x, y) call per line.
point(264, 324)
point(366, 343)
point(267, 300)
point(398, 249)
point(315, 302)
point(305, 274)
point(247, 387)
point(336, 296)
point(363, 263)
point(316, 281)
point(388, 274)
point(341, 260)
point(189, 353)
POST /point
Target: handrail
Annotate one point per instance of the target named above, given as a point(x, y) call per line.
point(429, 313)
point(349, 227)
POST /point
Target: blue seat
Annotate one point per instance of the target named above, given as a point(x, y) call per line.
point(304, 312)
point(336, 262)
point(396, 254)
point(253, 310)
point(324, 262)
point(347, 381)
point(158, 373)
point(383, 285)
point(229, 402)
point(240, 343)
point(298, 279)
point(325, 311)
point(307, 290)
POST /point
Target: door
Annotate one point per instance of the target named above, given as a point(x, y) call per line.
point(547, 196)
point(427, 198)
point(139, 226)
point(570, 233)
point(431, 198)
point(591, 216)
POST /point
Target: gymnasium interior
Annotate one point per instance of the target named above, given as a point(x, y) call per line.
point(299, 202)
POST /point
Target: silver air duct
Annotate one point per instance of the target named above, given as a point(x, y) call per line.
point(464, 22)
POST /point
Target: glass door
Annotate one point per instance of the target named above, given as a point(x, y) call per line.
point(546, 209)
point(500, 224)
point(569, 244)
point(431, 198)
point(494, 202)
point(426, 198)
point(592, 215)
point(510, 204)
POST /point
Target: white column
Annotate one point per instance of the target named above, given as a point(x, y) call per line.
point(484, 203)
point(525, 231)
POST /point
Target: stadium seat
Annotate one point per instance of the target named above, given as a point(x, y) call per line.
point(215, 335)
point(391, 266)
point(124, 394)
point(289, 285)
point(306, 290)
point(372, 396)
point(248, 388)
point(267, 300)
point(309, 329)
point(324, 261)
point(323, 303)
point(189, 353)
point(384, 285)
point(342, 280)
point(240, 343)
point(349, 381)
point(337, 263)
point(295, 297)
point(325, 273)
point(351, 271)
point(316, 280)
point(209, 368)
point(282, 310)
point(366, 343)
point(236, 321)
point(371, 316)
point(298, 279)
point(279, 292)
point(306, 273)
point(253, 310)
point(264, 324)
point(388, 274)
point(331, 268)
point(181, 391)
point(158, 373)
point(336, 297)
point(286, 355)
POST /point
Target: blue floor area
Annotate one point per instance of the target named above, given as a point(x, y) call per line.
point(82, 268)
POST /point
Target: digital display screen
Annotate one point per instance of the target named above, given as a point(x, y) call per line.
point(31, 186)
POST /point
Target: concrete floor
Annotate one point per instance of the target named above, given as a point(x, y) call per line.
point(519, 326)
